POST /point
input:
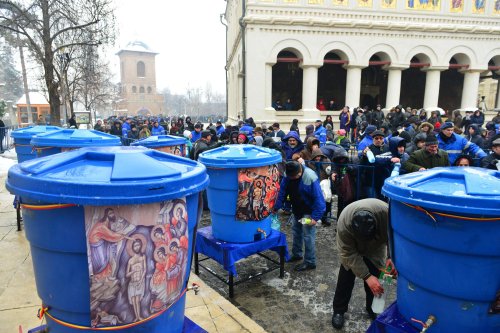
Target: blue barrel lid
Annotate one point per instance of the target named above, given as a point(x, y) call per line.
point(468, 190)
point(239, 156)
point(75, 138)
point(107, 175)
point(29, 132)
point(160, 141)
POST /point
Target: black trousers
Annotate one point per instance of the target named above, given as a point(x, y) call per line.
point(345, 284)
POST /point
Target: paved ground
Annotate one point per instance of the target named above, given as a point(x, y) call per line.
point(19, 302)
point(301, 302)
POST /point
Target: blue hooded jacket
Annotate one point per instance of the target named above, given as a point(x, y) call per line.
point(247, 129)
point(309, 190)
point(289, 151)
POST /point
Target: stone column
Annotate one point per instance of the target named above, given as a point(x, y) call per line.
point(268, 86)
point(470, 89)
point(309, 87)
point(432, 80)
point(497, 104)
point(353, 86)
point(393, 86)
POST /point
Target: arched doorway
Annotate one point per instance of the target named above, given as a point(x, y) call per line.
point(287, 80)
point(452, 83)
point(332, 78)
point(413, 82)
point(374, 82)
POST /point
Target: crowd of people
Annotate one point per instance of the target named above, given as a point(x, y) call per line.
point(354, 167)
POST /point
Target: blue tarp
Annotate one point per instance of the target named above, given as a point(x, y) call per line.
point(227, 254)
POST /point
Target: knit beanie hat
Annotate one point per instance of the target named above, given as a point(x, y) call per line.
point(431, 140)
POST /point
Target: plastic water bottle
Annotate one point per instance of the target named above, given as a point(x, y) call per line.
point(371, 157)
point(306, 219)
point(275, 222)
point(395, 169)
point(378, 303)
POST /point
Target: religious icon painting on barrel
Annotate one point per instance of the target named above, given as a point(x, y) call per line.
point(258, 190)
point(137, 257)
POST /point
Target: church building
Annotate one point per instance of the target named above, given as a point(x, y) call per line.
point(138, 81)
point(287, 57)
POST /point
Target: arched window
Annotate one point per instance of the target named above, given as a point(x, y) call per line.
point(141, 69)
point(149, 90)
point(134, 89)
point(141, 90)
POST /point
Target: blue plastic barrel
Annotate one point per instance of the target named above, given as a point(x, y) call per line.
point(165, 143)
point(94, 215)
point(22, 138)
point(70, 139)
point(232, 202)
point(446, 247)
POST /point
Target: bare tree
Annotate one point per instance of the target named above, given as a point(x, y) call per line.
point(52, 27)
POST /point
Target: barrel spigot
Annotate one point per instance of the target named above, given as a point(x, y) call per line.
point(431, 320)
point(194, 287)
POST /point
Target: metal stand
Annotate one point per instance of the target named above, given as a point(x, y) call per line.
point(230, 280)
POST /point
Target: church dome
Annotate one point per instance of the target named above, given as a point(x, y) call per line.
point(137, 46)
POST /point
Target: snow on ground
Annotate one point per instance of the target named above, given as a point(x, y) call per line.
point(7, 159)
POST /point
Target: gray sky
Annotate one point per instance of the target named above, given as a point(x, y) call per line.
point(187, 34)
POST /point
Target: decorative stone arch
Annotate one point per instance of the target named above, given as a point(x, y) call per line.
point(290, 45)
point(384, 51)
point(494, 56)
point(424, 54)
point(463, 54)
point(343, 50)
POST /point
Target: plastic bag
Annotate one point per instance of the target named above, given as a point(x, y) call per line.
point(326, 189)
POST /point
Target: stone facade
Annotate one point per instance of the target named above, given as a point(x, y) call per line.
point(433, 36)
point(138, 81)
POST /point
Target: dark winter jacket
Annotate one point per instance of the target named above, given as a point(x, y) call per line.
point(423, 159)
point(310, 193)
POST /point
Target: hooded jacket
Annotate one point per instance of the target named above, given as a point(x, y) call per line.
point(419, 129)
point(289, 151)
point(476, 136)
point(323, 167)
point(307, 152)
point(309, 130)
point(412, 147)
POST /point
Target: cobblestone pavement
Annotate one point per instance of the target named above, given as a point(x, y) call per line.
point(301, 301)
